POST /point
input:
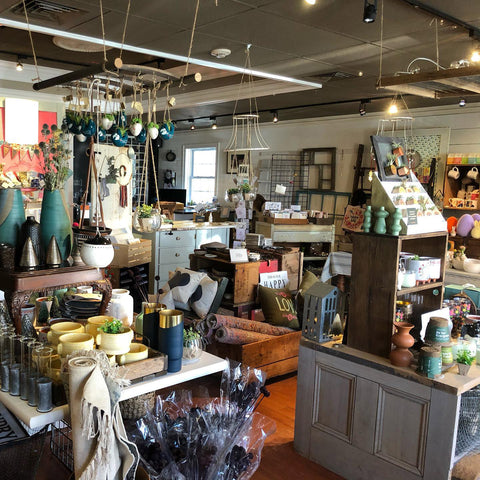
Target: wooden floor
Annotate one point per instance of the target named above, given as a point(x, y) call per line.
point(279, 459)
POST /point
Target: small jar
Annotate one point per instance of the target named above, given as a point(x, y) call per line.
point(409, 279)
point(121, 306)
point(447, 354)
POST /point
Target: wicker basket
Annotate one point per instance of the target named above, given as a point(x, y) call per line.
point(137, 407)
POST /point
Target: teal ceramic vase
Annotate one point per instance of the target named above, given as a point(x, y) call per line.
point(55, 220)
point(12, 216)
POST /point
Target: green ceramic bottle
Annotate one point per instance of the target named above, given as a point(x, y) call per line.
point(12, 216)
point(55, 220)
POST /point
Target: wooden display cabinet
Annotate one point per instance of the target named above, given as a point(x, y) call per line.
point(374, 291)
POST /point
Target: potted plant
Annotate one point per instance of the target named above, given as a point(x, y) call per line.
point(136, 126)
point(152, 129)
point(167, 130)
point(464, 361)
point(120, 137)
point(397, 149)
point(107, 121)
point(54, 217)
point(74, 122)
point(390, 168)
point(192, 345)
point(89, 127)
point(232, 192)
point(247, 191)
point(148, 218)
point(114, 338)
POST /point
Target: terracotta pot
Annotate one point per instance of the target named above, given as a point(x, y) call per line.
point(401, 356)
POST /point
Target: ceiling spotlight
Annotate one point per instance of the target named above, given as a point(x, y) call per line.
point(311, 2)
point(220, 52)
point(360, 73)
point(462, 102)
point(214, 124)
point(362, 110)
point(475, 57)
point(369, 11)
point(192, 126)
point(275, 116)
point(392, 109)
point(19, 66)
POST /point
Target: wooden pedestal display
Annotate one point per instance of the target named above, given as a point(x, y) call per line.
point(374, 291)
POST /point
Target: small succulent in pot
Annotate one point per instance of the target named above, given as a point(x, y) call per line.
point(152, 129)
point(464, 361)
point(145, 211)
point(397, 149)
point(147, 219)
point(113, 325)
point(136, 126)
point(113, 337)
point(120, 137)
point(192, 345)
point(107, 121)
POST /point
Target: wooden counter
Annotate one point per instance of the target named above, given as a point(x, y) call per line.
point(364, 419)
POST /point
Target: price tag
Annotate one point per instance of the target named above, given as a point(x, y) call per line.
point(412, 218)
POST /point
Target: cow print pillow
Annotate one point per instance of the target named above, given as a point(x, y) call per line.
point(203, 296)
point(183, 283)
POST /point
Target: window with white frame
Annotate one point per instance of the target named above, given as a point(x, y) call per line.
point(200, 173)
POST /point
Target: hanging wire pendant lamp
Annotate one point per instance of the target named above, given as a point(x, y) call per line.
point(246, 135)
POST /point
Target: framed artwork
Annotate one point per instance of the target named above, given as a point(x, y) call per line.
point(234, 159)
point(392, 163)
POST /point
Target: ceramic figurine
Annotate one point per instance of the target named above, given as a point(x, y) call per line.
point(367, 220)
point(380, 224)
point(396, 227)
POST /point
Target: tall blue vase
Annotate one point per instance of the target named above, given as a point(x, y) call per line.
point(12, 216)
point(55, 220)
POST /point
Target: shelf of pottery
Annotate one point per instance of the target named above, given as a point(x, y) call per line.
point(461, 186)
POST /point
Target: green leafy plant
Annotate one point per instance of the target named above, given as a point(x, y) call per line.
point(463, 356)
point(136, 120)
point(110, 116)
point(55, 157)
point(112, 326)
point(233, 191)
point(396, 145)
point(145, 211)
point(390, 159)
point(189, 334)
point(152, 125)
point(245, 187)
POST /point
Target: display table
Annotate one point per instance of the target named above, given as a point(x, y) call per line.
point(459, 277)
point(19, 286)
point(207, 365)
point(388, 422)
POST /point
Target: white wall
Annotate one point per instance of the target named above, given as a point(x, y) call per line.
point(343, 132)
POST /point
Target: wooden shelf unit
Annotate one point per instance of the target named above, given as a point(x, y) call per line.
point(374, 291)
point(452, 185)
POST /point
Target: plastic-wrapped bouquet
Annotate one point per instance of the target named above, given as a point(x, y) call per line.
point(215, 438)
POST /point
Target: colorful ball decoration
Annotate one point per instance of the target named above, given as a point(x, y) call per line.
point(465, 225)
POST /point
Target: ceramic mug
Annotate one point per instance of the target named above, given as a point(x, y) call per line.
point(409, 279)
point(473, 173)
point(71, 342)
point(62, 328)
point(138, 351)
point(453, 202)
point(454, 173)
point(461, 203)
point(84, 289)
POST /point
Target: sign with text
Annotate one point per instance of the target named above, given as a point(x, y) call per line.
point(274, 279)
point(238, 255)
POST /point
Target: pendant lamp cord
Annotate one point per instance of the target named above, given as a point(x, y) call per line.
point(191, 43)
point(31, 42)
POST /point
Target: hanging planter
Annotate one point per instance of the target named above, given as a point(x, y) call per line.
point(120, 137)
point(107, 121)
point(142, 136)
point(167, 130)
point(88, 128)
point(80, 137)
point(74, 122)
point(102, 135)
point(147, 219)
point(152, 129)
point(136, 126)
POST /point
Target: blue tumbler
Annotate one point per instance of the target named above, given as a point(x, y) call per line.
point(170, 338)
point(149, 323)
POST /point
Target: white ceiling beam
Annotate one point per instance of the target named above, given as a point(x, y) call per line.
point(411, 90)
point(158, 53)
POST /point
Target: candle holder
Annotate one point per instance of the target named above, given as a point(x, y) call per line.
point(170, 338)
point(5, 375)
point(15, 379)
point(44, 394)
point(43, 359)
point(32, 389)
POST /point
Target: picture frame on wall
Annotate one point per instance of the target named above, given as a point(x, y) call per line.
point(391, 158)
point(236, 158)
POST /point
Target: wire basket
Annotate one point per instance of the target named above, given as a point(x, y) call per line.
point(61, 443)
point(19, 459)
point(468, 432)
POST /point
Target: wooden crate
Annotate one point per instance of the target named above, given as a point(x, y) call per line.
point(133, 254)
point(276, 356)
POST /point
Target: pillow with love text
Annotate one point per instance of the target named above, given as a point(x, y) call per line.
point(278, 307)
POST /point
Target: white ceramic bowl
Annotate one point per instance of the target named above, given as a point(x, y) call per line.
point(471, 265)
point(457, 263)
point(99, 256)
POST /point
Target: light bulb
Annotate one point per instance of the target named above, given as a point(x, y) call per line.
point(214, 126)
point(392, 109)
point(311, 2)
point(475, 57)
point(19, 66)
